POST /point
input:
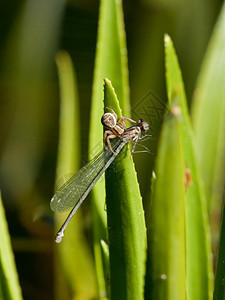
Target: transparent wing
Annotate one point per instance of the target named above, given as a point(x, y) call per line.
point(70, 192)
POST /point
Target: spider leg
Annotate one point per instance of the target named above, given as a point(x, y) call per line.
point(108, 138)
point(106, 133)
point(113, 112)
point(122, 122)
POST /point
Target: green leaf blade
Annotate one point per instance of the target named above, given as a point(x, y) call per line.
point(219, 291)
point(105, 258)
point(166, 221)
point(9, 283)
point(111, 62)
point(126, 224)
point(208, 112)
point(69, 126)
point(197, 225)
point(76, 274)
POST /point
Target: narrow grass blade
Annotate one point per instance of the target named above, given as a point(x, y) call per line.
point(208, 111)
point(105, 254)
point(9, 282)
point(111, 62)
point(126, 223)
point(219, 291)
point(166, 230)
point(198, 246)
point(209, 125)
point(68, 158)
point(76, 265)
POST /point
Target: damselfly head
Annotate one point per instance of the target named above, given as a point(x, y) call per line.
point(143, 125)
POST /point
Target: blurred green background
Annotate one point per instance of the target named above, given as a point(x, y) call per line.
point(31, 34)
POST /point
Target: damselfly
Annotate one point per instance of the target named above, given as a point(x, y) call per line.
point(75, 190)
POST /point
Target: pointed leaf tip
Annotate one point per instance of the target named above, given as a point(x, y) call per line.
point(167, 39)
point(107, 80)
